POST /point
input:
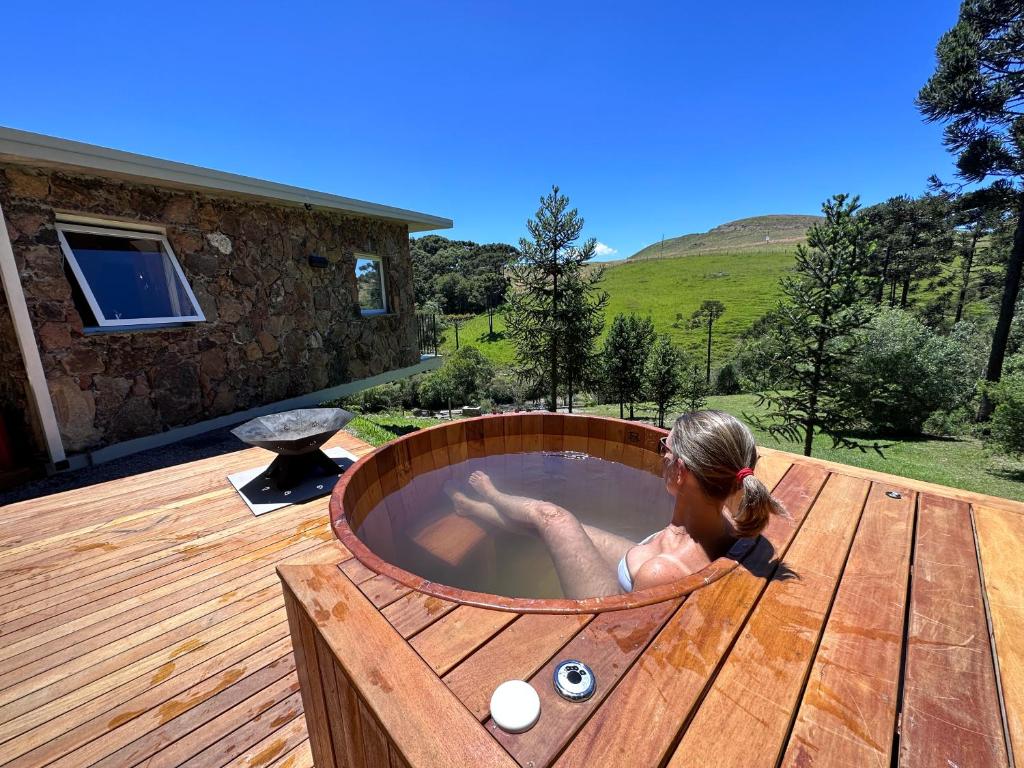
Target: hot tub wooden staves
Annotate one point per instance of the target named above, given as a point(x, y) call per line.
point(859, 630)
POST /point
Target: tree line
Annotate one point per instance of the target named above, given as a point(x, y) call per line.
point(842, 348)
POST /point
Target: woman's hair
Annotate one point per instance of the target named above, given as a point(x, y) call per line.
point(715, 446)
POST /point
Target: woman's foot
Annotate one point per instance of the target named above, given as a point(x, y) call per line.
point(481, 483)
point(476, 509)
point(520, 510)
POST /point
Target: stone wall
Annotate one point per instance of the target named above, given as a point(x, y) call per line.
point(275, 326)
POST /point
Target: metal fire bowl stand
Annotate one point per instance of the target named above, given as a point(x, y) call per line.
point(296, 436)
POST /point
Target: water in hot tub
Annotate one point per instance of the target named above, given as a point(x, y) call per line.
point(419, 528)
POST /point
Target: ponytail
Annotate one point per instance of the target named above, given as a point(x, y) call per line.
point(755, 508)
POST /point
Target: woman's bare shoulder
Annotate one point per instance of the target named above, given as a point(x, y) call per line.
point(658, 570)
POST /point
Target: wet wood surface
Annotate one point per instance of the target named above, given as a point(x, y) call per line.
point(152, 630)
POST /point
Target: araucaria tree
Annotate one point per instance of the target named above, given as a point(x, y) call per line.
point(539, 318)
point(822, 308)
point(664, 376)
point(708, 313)
point(978, 91)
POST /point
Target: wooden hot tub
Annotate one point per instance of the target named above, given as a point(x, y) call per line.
point(390, 467)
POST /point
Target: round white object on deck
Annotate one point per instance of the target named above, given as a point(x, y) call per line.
point(515, 706)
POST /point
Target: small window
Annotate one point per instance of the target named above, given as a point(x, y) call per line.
point(370, 282)
point(128, 278)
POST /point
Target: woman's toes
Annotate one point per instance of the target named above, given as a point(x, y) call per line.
point(481, 483)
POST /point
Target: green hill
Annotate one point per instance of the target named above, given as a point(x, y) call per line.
point(758, 233)
point(746, 282)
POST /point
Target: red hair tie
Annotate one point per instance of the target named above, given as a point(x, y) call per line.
point(743, 473)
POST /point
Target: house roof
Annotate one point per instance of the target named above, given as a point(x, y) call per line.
point(40, 150)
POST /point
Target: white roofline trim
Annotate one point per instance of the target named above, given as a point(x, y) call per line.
point(35, 148)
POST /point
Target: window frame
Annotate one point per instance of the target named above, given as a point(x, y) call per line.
point(383, 283)
point(102, 321)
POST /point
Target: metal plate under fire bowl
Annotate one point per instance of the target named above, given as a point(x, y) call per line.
point(293, 433)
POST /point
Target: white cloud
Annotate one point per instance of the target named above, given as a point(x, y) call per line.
point(604, 250)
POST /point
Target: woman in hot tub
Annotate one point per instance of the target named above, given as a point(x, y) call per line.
point(706, 458)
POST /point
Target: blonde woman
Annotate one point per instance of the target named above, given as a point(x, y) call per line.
point(707, 457)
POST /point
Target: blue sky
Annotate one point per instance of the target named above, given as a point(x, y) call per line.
point(655, 118)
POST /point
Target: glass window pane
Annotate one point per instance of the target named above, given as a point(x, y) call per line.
point(131, 278)
point(370, 280)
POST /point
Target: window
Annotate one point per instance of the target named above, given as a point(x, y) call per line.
point(370, 282)
point(128, 278)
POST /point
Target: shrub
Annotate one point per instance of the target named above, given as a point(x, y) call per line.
point(458, 381)
point(727, 381)
point(904, 372)
point(1007, 433)
point(503, 389)
point(384, 397)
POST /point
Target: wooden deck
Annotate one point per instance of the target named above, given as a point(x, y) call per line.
point(143, 624)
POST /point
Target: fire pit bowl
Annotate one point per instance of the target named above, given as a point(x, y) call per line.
point(293, 433)
point(296, 436)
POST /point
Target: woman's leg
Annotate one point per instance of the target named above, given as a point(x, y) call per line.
point(582, 568)
point(611, 546)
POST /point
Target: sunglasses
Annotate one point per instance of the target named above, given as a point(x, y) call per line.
point(663, 446)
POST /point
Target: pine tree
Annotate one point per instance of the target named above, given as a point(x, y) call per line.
point(535, 317)
point(616, 356)
point(978, 91)
point(823, 306)
point(664, 376)
point(582, 320)
point(708, 313)
point(695, 389)
point(626, 349)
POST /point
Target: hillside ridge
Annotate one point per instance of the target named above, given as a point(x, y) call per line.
point(769, 233)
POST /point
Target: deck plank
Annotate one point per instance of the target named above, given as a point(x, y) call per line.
point(515, 653)
point(1001, 542)
point(416, 611)
point(746, 714)
point(454, 636)
point(848, 712)
point(667, 682)
point(949, 660)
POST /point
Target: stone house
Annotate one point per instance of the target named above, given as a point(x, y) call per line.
point(145, 301)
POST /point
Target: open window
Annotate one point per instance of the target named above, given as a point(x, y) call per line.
point(128, 277)
point(370, 282)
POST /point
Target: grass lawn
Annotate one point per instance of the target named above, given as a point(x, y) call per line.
point(380, 428)
point(747, 283)
point(959, 463)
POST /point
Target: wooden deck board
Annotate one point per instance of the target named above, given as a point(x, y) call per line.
point(150, 628)
point(1001, 544)
point(950, 705)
